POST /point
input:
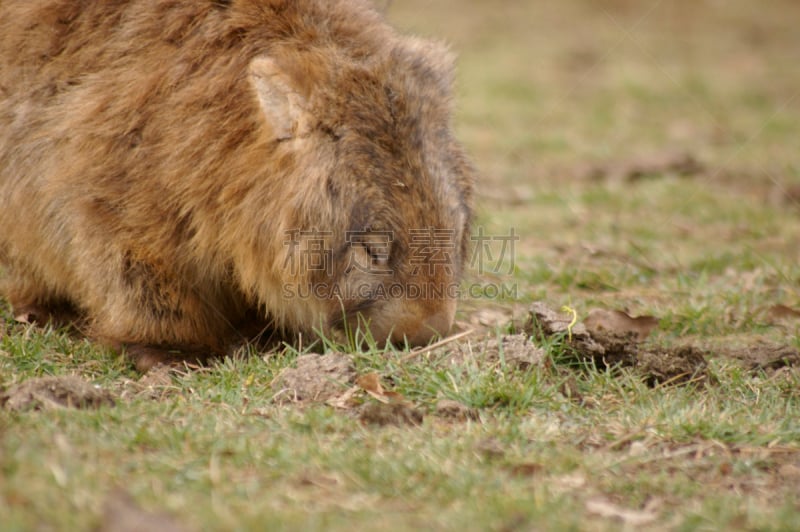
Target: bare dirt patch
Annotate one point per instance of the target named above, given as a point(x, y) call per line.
point(55, 392)
point(332, 379)
point(316, 378)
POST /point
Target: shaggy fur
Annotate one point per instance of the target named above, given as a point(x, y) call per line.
point(167, 167)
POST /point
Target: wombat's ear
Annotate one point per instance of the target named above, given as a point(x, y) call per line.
point(281, 104)
point(431, 60)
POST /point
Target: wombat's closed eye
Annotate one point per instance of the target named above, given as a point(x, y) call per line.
point(181, 177)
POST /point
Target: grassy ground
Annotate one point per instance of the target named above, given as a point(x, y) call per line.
point(574, 112)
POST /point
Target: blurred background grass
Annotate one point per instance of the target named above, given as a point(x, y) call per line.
point(543, 83)
point(558, 102)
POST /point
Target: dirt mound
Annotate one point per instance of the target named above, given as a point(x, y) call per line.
point(315, 378)
point(621, 345)
point(606, 349)
point(672, 365)
point(55, 392)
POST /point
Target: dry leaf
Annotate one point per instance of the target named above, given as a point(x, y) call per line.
point(606, 509)
point(619, 323)
point(371, 383)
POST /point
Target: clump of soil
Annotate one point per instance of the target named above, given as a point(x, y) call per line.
point(394, 413)
point(544, 322)
point(317, 378)
point(55, 392)
point(621, 345)
point(674, 365)
point(602, 321)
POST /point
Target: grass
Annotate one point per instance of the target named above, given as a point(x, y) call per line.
point(217, 451)
point(546, 90)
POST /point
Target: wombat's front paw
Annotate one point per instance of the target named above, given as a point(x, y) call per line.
point(55, 315)
point(145, 357)
point(32, 314)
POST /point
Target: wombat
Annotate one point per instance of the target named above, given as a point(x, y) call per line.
point(182, 174)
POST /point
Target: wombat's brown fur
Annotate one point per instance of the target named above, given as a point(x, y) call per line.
point(171, 169)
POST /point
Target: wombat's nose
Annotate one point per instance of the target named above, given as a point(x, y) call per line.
point(436, 324)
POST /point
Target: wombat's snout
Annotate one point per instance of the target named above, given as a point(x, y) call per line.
point(438, 324)
point(399, 322)
point(417, 332)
